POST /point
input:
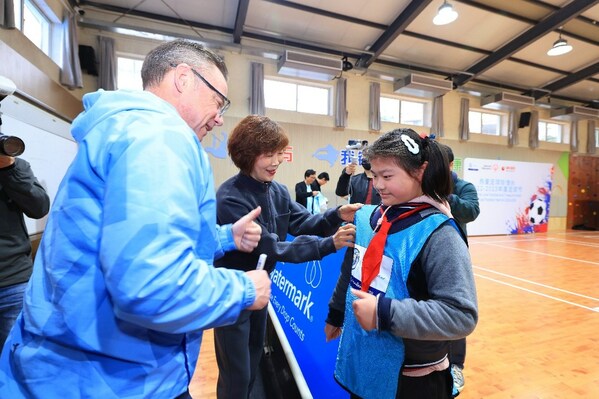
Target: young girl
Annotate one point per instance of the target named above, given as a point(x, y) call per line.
point(256, 147)
point(412, 288)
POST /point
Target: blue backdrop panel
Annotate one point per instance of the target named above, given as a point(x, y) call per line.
point(300, 297)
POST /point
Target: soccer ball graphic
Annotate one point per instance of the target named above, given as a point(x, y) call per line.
point(537, 211)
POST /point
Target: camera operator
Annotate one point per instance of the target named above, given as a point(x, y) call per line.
point(359, 188)
point(20, 193)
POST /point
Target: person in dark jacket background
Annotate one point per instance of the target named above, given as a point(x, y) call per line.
point(256, 147)
point(304, 190)
point(465, 209)
point(20, 194)
point(358, 187)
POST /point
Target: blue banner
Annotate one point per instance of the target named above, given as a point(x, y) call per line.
point(300, 297)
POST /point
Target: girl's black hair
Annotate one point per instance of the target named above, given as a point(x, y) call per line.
point(409, 151)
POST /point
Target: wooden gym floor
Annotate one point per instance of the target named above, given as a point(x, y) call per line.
point(538, 331)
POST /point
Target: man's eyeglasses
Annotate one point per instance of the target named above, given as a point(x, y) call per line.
point(226, 101)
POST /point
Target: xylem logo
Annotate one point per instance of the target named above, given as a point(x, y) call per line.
point(301, 301)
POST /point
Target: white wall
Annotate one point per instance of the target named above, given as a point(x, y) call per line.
point(49, 147)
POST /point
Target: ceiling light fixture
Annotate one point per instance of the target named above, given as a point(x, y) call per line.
point(560, 47)
point(445, 15)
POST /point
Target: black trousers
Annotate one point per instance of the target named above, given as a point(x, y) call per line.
point(184, 395)
point(457, 352)
point(239, 348)
point(436, 385)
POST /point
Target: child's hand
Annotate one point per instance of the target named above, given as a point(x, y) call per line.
point(331, 332)
point(365, 309)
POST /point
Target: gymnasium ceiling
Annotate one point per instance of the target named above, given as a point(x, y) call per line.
point(493, 46)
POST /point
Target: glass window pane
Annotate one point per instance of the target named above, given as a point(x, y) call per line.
point(474, 120)
point(314, 100)
point(280, 95)
point(129, 73)
point(490, 124)
point(412, 113)
point(542, 131)
point(389, 110)
point(554, 133)
point(36, 26)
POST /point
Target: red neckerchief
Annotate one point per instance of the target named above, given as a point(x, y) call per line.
point(371, 264)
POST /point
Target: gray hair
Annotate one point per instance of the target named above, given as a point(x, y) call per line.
point(160, 60)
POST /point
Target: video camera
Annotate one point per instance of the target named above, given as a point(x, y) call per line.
point(356, 144)
point(11, 146)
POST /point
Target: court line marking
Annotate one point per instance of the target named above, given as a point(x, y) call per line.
point(574, 242)
point(538, 293)
point(583, 243)
point(543, 253)
point(535, 283)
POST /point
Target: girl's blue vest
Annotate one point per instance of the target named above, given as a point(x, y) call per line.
point(369, 362)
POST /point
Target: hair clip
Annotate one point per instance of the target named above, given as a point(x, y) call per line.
point(410, 144)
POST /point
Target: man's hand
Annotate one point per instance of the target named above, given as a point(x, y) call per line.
point(331, 332)
point(347, 212)
point(6, 161)
point(262, 285)
point(350, 168)
point(246, 232)
point(345, 236)
point(365, 309)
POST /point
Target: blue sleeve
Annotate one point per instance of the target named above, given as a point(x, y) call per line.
point(225, 241)
point(159, 234)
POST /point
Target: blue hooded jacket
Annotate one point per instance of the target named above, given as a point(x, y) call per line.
point(123, 281)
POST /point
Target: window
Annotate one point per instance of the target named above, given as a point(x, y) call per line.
point(41, 26)
point(128, 73)
point(406, 112)
point(36, 26)
point(484, 122)
point(313, 99)
point(550, 132)
point(597, 137)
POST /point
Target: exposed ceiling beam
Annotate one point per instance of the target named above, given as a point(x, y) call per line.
point(548, 24)
point(487, 52)
point(157, 17)
point(390, 34)
point(572, 78)
point(325, 13)
point(532, 21)
point(553, 7)
point(242, 12)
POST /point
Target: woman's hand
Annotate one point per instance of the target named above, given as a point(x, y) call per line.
point(345, 236)
point(348, 212)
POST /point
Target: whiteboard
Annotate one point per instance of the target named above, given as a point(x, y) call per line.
point(49, 146)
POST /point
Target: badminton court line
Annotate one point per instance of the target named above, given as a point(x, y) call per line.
point(538, 293)
point(535, 283)
point(542, 253)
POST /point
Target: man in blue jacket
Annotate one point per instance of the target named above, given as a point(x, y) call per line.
point(124, 283)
